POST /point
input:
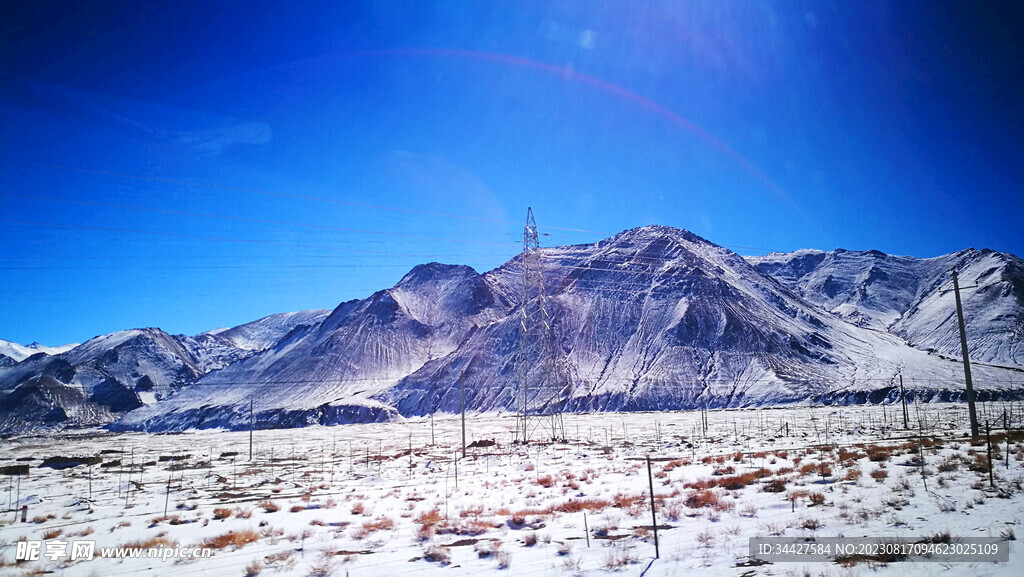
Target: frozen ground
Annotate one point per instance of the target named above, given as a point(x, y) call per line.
point(353, 500)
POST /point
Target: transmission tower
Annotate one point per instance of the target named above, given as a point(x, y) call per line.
point(540, 384)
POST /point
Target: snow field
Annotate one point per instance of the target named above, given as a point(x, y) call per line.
point(354, 500)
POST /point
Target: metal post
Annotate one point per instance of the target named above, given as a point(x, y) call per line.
point(462, 402)
point(903, 401)
point(967, 362)
point(654, 516)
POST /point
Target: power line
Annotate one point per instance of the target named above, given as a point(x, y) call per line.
point(274, 194)
point(252, 220)
point(220, 239)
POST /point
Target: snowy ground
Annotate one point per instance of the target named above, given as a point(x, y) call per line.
point(352, 500)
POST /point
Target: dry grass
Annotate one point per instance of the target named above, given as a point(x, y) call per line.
point(358, 508)
point(151, 543)
point(577, 505)
point(234, 539)
point(52, 534)
point(221, 513)
point(546, 481)
point(879, 474)
point(378, 524)
point(269, 506)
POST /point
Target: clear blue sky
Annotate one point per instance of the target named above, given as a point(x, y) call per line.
point(191, 165)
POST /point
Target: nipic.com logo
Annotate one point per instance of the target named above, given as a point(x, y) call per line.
point(57, 550)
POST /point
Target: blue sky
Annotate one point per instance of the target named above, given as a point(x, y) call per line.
point(202, 164)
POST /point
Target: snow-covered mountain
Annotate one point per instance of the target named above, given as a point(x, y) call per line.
point(264, 333)
point(333, 371)
point(18, 353)
point(651, 318)
point(96, 381)
point(911, 297)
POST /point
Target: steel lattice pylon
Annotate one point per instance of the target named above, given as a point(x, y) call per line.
point(540, 383)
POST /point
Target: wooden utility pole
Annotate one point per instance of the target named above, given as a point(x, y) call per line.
point(462, 403)
point(967, 362)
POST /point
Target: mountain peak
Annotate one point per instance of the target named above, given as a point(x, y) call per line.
point(433, 271)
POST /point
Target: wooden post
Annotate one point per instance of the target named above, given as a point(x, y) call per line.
point(167, 495)
point(586, 531)
point(988, 442)
point(654, 516)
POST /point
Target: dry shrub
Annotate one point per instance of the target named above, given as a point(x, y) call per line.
point(468, 527)
point(776, 485)
point(879, 474)
point(378, 524)
point(577, 505)
point(485, 548)
point(701, 498)
point(234, 539)
point(816, 499)
point(268, 506)
point(675, 463)
point(221, 513)
point(726, 470)
point(877, 453)
point(616, 560)
point(530, 539)
point(504, 558)
point(297, 508)
point(811, 524)
point(429, 518)
point(824, 469)
point(274, 558)
point(671, 511)
point(978, 463)
point(547, 481)
point(852, 474)
point(241, 513)
point(848, 455)
point(622, 501)
point(437, 554)
point(52, 534)
point(358, 508)
point(807, 468)
point(253, 569)
point(472, 511)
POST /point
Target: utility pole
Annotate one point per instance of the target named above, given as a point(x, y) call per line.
point(967, 362)
point(462, 402)
point(250, 428)
point(903, 401)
